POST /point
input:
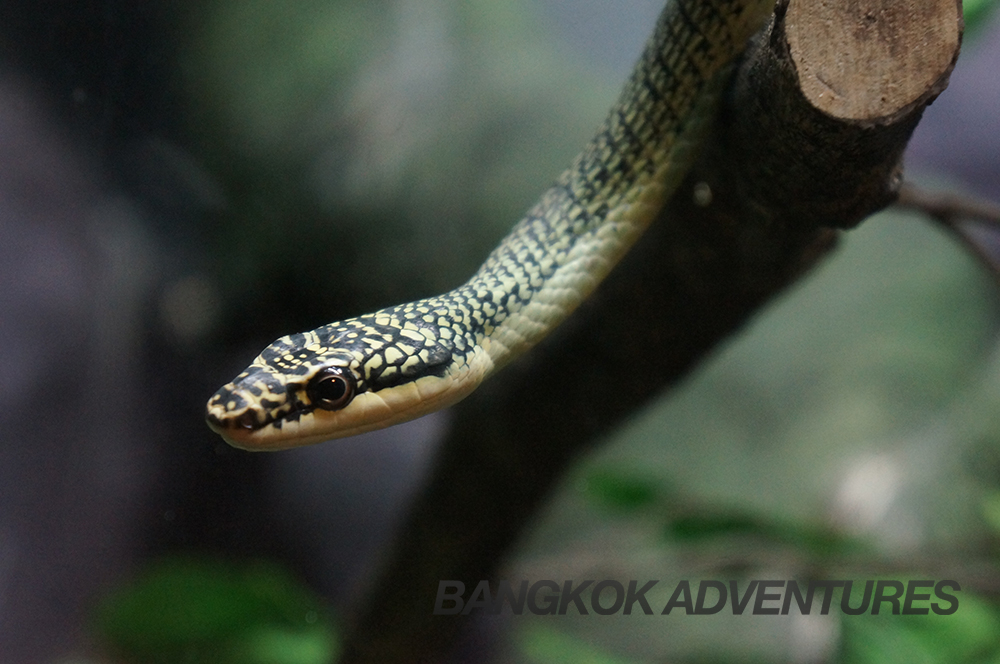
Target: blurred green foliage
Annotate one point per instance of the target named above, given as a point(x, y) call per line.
point(970, 636)
point(977, 13)
point(186, 610)
point(812, 539)
point(621, 490)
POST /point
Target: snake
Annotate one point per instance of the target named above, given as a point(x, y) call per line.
point(405, 361)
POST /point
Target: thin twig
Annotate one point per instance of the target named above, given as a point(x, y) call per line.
point(948, 208)
point(954, 212)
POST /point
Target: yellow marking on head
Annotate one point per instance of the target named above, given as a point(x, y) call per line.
point(411, 332)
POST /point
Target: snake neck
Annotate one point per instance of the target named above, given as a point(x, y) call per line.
point(582, 225)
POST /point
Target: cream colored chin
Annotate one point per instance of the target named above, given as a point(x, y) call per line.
point(368, 411)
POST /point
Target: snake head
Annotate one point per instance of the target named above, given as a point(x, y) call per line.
point(344, 379)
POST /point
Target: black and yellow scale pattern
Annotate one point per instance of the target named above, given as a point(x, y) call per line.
point(405, 361)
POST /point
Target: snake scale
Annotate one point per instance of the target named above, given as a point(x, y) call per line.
point(402, 362)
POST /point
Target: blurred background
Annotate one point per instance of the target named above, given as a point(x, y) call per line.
point(182, 182)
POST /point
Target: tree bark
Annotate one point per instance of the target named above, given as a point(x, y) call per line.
point(805, 144)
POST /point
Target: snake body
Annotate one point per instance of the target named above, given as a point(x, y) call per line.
point(399, 363)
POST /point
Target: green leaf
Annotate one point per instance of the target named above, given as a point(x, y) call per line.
point(976, 13)
point(970, 635)
point(697, 526)
point(282, 646)
point(192, 610)
point(620, 490)
point(702, 526)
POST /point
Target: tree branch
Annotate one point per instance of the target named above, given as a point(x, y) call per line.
point(754, 214)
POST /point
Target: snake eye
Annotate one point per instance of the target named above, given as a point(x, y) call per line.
point(331, 389)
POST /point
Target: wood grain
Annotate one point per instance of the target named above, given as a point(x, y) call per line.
point(869, 59)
